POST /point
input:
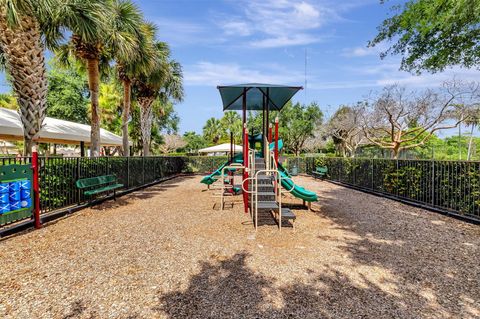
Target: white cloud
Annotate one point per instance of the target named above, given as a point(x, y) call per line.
point(239, 28)
point(212, 74)
point(278, 23)
point(384, 74)
point(360, 52)
point(363, 51)
point(178, 33)
point(284, 41)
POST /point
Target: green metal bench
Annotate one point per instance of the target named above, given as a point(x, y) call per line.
point(320, 172)
point(96, 185)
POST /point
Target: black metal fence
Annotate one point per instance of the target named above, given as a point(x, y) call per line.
point(451, 186)
point(203, 164)
point(58, 175)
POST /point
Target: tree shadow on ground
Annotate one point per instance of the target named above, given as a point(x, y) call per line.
point(431, 257)
point(229, 288)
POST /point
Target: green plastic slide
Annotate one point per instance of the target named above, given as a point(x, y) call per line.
point(212, 178)
point(297, 191)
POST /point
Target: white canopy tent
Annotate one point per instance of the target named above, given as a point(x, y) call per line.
point(222, 148)
point(53, 131)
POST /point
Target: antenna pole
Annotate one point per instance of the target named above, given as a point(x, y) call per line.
point(306, 58)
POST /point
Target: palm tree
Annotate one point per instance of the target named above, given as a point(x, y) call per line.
point(164, 82)
point(213, 130)
point(232, 123)
point(129, 68)
point(94, 37)
point(24, 33)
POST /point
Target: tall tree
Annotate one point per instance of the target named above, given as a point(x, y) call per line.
point(399, 120)
point(298, 123)
point(345, 128)
point(212, 131)
point(24, 33)
point(433, 34)
point(97, 30)
point(130, 68)
point(110, 102)
point(194, 142)
point(128, 20)
point(67, 97)
point(232, 123)
point(164, 82)
point(472, 119)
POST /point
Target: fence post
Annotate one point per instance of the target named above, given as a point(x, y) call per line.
point(373, 172)
point(433, 183)
point(396, 176)
point(78, 177)
point(128, 172)
point(143, 168)
point(36, 189)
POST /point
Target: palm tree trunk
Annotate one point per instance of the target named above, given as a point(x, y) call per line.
point(146, 118)
point(127, 89)
point(93, 84)
point(24, 53)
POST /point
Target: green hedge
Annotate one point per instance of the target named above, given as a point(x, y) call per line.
point(449, 185)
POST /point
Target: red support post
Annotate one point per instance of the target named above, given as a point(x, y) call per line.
point(245, 173)
point(36, 190)
point(276, 140)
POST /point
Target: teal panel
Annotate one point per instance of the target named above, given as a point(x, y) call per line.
point(256, 93)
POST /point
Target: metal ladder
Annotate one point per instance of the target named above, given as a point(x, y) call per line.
point(265, 190)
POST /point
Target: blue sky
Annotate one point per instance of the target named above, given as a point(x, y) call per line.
point(237, 41)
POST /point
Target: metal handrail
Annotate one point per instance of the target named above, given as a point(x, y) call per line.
point(232, 178)
point(277, 194)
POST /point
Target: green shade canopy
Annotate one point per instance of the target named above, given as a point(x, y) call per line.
point(256, 94)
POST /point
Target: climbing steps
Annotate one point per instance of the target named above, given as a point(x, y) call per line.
point(267, 206)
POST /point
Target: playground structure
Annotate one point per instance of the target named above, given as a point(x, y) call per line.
point(264, 180)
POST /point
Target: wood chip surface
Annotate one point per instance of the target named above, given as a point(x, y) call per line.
point(166, 252)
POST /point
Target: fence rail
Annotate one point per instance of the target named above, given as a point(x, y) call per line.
point(452, 186)
point(57, 175)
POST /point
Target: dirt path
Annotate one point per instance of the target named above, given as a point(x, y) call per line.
point(165, 253)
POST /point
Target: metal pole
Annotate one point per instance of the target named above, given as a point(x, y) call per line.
point(245, 147)
point(245, 173)
point(263, 126)
point(231, 146)
point(128, 172)
point(82, 149)
point(276, 140)
point(433, 183)
point(36, 189)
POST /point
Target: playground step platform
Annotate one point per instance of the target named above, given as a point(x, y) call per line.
point(260, 193)
point(261, 178)
point(267, 205)
point(288, 214)
point(265, 187)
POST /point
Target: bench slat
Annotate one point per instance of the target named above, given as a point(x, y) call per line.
point(95, 181)
point(103, 189)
